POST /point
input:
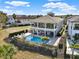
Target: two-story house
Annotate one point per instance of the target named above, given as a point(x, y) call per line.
point(73, 26)
point(47, 26)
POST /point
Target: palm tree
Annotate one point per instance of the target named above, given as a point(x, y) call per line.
point(7, 51)
point(14, 16)
point(50, 14)
point(67, 17)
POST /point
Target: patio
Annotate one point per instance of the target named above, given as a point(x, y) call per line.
point(43, 33)
point(52, 41)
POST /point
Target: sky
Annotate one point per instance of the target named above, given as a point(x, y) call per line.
point(34, 7)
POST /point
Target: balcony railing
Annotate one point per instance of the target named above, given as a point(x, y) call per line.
point(42, 25)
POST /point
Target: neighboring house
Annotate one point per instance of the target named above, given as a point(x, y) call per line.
point(47, 26)
point(22, 20)
point(73, 30)
point(11, 20)
point(73, 26)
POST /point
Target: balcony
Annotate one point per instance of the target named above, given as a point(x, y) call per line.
point(50, 26)
point(43, 25)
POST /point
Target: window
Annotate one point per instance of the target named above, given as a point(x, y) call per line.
point(76, 36)
point(50, 26)
point(18, 21)
point(76, 27)
point(49, 33)
point(55, 25)
point(60, 46)
point(34, 24)
point(41, 25)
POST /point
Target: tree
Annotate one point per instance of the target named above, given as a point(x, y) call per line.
point(14, 16)
point(3, 18)
point(67, 17)
point(7, 51)
point(50, 14)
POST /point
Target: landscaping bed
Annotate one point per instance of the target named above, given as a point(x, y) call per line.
point(33, 47)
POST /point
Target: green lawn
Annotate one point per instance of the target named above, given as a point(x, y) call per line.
point(5, 32)
point(75, 46)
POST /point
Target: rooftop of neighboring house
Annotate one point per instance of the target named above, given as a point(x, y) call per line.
point(19, 17)
point(47, 19)
point(74, 18)
point(9, 16)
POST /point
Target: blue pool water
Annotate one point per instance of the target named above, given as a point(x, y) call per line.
point(36, 39)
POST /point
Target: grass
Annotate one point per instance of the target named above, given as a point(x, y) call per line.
point(20, 54)
point(75, 46)
point(64, 33)
point(5, 32)
point(16, 29)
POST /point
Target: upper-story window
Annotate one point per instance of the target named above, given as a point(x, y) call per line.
point(18, 21)
point(34, 24)
point(76, 26)
point(56, 25)
point(76, 36)
point(41, 25)
point(50, 26)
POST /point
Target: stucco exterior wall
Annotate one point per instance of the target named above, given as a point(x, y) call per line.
point(71, 30)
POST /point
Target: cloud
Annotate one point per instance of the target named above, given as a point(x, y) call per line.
point(8, 7)
point(54, 0)
point(28, 5)
point(9, 11)
point(46, 10)
point(61, 7)
point(18, 3)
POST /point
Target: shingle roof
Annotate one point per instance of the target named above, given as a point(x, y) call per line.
point(47, 19)
point(27, 16)
point(74, 18)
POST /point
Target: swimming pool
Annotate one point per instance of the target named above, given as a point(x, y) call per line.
point(36, 39)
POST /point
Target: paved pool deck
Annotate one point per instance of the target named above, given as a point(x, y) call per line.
point(54, 41)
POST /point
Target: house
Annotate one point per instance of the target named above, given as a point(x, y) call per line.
point(46, 26)
point(73, 26)
point(22, 20)
point(11, 20)
point(73, 35)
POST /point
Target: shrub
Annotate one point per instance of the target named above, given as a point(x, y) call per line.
point(76, 57)
point(45, 38)
point(7, 51)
